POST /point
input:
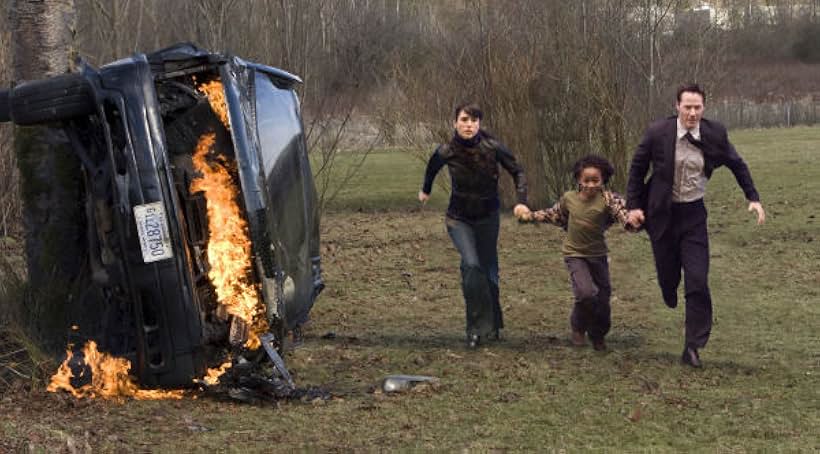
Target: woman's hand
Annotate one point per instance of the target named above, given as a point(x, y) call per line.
point(522, 212)
point(423, 197)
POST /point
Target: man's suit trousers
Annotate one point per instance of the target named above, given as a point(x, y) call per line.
point(685, 245)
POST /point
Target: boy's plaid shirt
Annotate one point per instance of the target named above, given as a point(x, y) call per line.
point(558, 214)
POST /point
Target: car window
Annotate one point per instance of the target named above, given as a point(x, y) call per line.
point(277, 119)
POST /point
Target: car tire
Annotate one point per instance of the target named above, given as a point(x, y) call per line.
point(55, 99)
point(4, 106)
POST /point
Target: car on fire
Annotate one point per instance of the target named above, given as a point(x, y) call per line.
point(196, 183)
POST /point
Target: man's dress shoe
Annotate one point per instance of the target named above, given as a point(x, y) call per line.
point(690, 357)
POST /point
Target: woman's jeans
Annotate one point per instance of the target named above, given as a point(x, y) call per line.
point(477, 243)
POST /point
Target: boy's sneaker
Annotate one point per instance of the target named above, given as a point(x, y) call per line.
point(599, 345)
point(578, 338)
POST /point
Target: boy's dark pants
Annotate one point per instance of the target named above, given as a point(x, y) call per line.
point(685, 244)
point(590, 285)
point(477, 243)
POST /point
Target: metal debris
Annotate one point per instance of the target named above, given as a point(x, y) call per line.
point(254, 380)
point(395, 383)
point(267, 342)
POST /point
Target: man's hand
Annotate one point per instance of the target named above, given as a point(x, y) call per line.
point(635, 218)
point(522, 212)
point(761, 215)
point(423, 197)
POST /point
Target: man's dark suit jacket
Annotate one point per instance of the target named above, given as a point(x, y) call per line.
point(657, 148)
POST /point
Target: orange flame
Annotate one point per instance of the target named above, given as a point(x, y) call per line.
point(212, 376)
point(229, 255)
point(229, 249)
point(109, 378)
point(216, 98)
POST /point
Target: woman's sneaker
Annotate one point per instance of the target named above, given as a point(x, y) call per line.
point(473, 340)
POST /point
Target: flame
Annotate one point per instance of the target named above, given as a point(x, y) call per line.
point(109, 378)
point(216, 98)
point(212, 376)
point(229, 255)
point(229, 249)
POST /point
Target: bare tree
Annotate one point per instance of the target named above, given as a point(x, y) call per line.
point(9, 177)
point(557, 78)
point(42, 37)
point(43, 34)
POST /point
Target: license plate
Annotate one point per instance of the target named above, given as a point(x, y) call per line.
point(152, 227)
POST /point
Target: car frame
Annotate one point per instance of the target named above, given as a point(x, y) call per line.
point(131, 123)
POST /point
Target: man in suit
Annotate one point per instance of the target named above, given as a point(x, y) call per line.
point(683, 151)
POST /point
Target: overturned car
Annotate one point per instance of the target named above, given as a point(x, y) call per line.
point(199, 212)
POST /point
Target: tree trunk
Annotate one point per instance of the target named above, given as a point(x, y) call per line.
point(51, 179)
point(43, 36)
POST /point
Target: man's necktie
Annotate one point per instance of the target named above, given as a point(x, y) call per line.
point(691, 139)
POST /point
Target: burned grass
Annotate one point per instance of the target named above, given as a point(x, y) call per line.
point(393, 306)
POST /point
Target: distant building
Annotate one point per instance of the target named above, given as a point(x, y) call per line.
point(732, 13)
point(699, 18)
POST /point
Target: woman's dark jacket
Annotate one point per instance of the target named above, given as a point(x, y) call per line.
point(473, 167)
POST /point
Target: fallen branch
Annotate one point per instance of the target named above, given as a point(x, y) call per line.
point(20, 374)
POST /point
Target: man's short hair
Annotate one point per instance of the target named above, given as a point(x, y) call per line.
point(691, 88)
point(470, 108)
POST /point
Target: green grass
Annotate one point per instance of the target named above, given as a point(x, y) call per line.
point(389, 180)
point(393, 301)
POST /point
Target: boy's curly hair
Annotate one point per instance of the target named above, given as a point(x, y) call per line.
point(592, 160)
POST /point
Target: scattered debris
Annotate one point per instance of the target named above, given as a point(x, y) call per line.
point(408, 279)
point(635, 416)
point(508, 397)
point(254, 381)
point(396, 383)
point(194, 426)
point(268, 343)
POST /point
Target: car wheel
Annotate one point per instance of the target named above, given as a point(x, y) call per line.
point(54, 99)
point(4, 106)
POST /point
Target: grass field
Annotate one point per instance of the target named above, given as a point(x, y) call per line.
point(393, 305)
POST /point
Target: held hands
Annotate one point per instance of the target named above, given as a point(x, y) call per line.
point(635, 218)
point(761, 215)
point(533, 216)
point(522, 212)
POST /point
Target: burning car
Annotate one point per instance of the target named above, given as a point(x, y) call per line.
point(200, 216)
